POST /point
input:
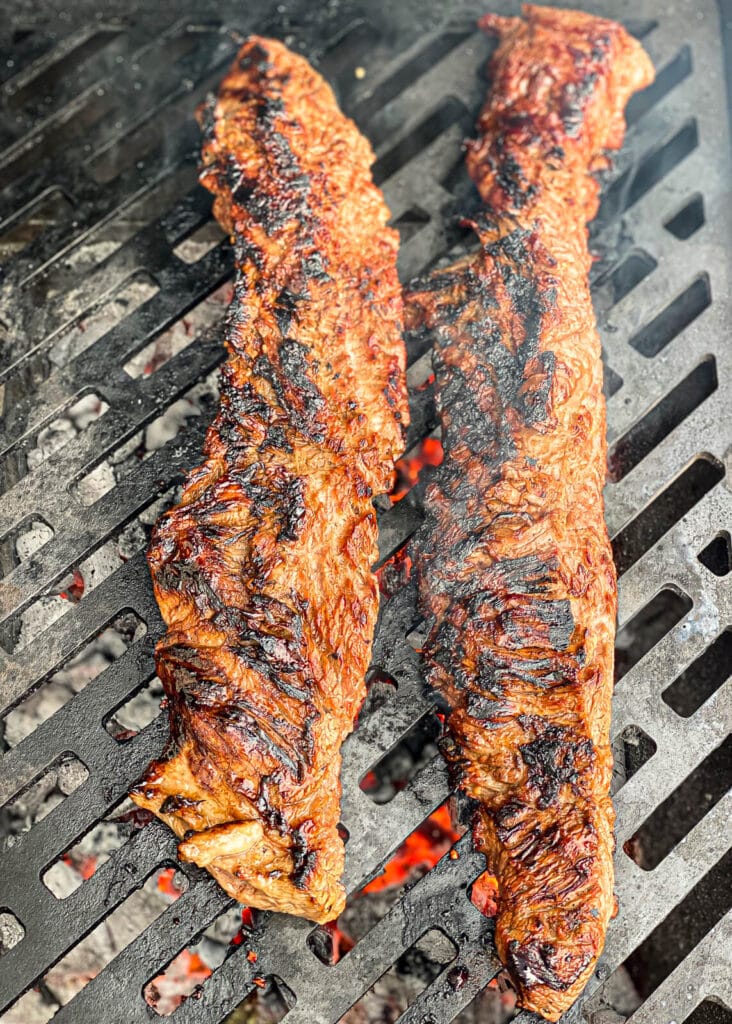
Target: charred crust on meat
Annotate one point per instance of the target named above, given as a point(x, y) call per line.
point(206, 117)
point(542, 963)
point(303, 858)
point(173, 804)
point(257, 55)
point(509, 174)
point(298, 397)
point(265, 802)
point(259, 732)
point(285, 309)
point(575, 96)
point(553, 759)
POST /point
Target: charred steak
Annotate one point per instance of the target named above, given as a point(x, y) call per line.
point(263, 571)
point(514, 568)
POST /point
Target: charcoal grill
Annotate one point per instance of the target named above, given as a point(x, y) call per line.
point(97, 189)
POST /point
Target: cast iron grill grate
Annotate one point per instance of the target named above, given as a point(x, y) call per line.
point(98, 196)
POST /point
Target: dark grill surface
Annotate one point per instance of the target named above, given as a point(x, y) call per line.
point(98, 197)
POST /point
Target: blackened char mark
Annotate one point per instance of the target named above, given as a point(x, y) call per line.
point(502, 387)
point(184, 575)
point(207, 117)
point(590, 65)
point(541, 963)
point(194, 683)
point(313, 267)
point(259, 656)
point(308, 739)
point(274, 489)
point(304, 870)
point(276, 440)
point(240, 405)
point(195, 689)
point(527, 576)
point(257, 56)
point(492, 588)
point(574, 98)
point(298, 397)
point(280, 193)
point(553, 760)
point(244, 719)
point(508, 173)
point(498, 670)
point(506, 370)
point(544, 624)
point(285, 309)
point(304, 859)
point(268, 637)
point(199, 693)
point(508, 819)
point(172, 804)
point(237, 315)
point(267, 796)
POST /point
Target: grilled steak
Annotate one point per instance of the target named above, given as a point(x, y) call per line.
point(514, 568)
point(263, 571)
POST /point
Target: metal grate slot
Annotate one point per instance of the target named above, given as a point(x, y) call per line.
point(124, 630)
point(679, 813)
point(631, 186)
point(623, 278)
point(717, 555)
point(684, 309)
point(665, 510)
point(689, 218)
point(672, 410)
point(647, 627)
point(710, 1012)
point(701, 680)
point(699, 912)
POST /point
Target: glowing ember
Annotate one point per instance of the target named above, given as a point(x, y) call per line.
point(75, 591)
point(369, 782)
point(166, 883)
point(247, 923)
point(82, 865)
point(180, 980)
point(408, 469)
point(502, 984)
point(394, 573)
point(340, 942)
point(423, 848)
point(484, 894)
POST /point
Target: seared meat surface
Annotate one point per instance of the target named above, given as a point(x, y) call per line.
point(263, 571)
point(514, 568)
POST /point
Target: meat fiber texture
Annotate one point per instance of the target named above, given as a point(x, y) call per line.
point(263, 571)
point(514, 567)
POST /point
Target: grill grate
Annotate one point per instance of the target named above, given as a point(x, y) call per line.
point(97, 139)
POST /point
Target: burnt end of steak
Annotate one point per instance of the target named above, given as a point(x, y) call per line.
point(542, 963)
point(513, 563)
